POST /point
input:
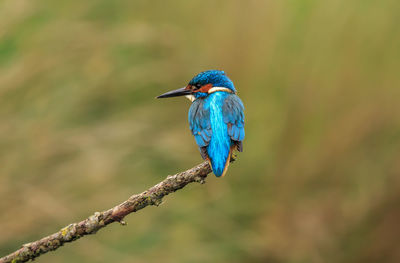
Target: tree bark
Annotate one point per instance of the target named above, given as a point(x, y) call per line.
point(98, 220)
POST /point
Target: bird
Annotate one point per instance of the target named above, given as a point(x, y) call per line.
point(216, 117)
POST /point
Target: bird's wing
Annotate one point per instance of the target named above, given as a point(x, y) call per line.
point(199, 121)
point(233, 111)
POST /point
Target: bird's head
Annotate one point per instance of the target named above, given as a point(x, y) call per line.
point(202, 85)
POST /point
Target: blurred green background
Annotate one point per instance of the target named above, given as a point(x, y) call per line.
point(80, 130)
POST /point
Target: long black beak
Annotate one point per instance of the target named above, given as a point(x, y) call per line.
point(175, 93)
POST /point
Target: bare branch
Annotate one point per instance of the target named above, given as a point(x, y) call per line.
point(92, 224)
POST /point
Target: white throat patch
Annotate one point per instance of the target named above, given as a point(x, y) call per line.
point(191, 97)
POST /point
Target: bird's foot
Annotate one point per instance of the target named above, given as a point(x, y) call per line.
point(233, 157)
point(200, 180)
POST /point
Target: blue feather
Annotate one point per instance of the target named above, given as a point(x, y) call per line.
point(220, 143)
point(233, 111)
point(216, 117)
point(217, 122)
point(216, 77)
point(241, 136)
point(199, 122)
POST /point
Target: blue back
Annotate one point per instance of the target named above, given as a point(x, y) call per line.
point(216, 122)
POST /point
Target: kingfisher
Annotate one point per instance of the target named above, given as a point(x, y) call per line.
point(216, 117)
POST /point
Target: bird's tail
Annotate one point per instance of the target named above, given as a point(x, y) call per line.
point(218, 170)
point(228, 161)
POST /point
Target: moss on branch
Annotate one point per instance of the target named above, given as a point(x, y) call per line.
point(98, 220)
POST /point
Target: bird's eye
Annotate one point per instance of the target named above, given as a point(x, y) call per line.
point(198, 86)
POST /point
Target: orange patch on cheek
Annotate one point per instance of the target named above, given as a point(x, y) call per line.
point(205, 88)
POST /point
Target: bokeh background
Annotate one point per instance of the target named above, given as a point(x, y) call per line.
point(80, 130)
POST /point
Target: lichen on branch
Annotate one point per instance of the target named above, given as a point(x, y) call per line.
point(98, 220)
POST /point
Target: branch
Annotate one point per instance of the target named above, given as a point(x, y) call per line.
point(92, 224)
